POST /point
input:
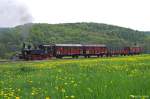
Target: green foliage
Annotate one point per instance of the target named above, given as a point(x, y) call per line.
point(91, 33)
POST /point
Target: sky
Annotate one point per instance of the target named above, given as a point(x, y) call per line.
point(126, 13)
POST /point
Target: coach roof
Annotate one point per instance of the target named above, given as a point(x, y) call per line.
point(78, 45)
point(94, 45)
point(69, 45)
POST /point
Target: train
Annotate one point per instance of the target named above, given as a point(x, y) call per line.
point(49, 51)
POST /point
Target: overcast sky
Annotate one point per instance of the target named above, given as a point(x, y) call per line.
point(127, 13)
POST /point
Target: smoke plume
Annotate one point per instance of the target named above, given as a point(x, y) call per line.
point(13, 13)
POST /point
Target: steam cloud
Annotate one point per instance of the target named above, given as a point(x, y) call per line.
point(13, 13)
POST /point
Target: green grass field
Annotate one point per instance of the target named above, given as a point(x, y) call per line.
point(93, 78)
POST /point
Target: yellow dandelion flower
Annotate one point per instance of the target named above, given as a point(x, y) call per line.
point(32, 93)
point(19, 89)
point(75, 84)
point(143, 97)
point(132, 96)
point(66, 96)
point(30, 81)
point(63, 90)
point(56, 88)
point(17, 97)
point(72, 81)
point(72, 96)
point(47, 97)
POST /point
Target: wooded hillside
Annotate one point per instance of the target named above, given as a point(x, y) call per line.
point(11, 39)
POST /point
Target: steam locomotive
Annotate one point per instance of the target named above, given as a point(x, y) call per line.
point(43, 52)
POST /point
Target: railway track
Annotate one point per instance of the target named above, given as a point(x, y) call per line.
point(3, 61)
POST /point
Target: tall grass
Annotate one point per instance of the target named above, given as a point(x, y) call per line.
point(93, 78)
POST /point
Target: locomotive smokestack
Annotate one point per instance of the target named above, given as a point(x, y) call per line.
point(23, 45)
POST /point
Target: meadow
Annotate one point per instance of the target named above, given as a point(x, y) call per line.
point(92, 78)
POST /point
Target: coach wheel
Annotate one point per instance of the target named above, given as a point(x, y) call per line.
point(107, 55)
point(29, 58)
point(73, 56)
point(59, 57)
point(77, 56)
point(85, 56)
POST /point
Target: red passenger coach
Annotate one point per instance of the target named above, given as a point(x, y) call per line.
point(95, 50)
point(73, 50)
point(135, 50)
